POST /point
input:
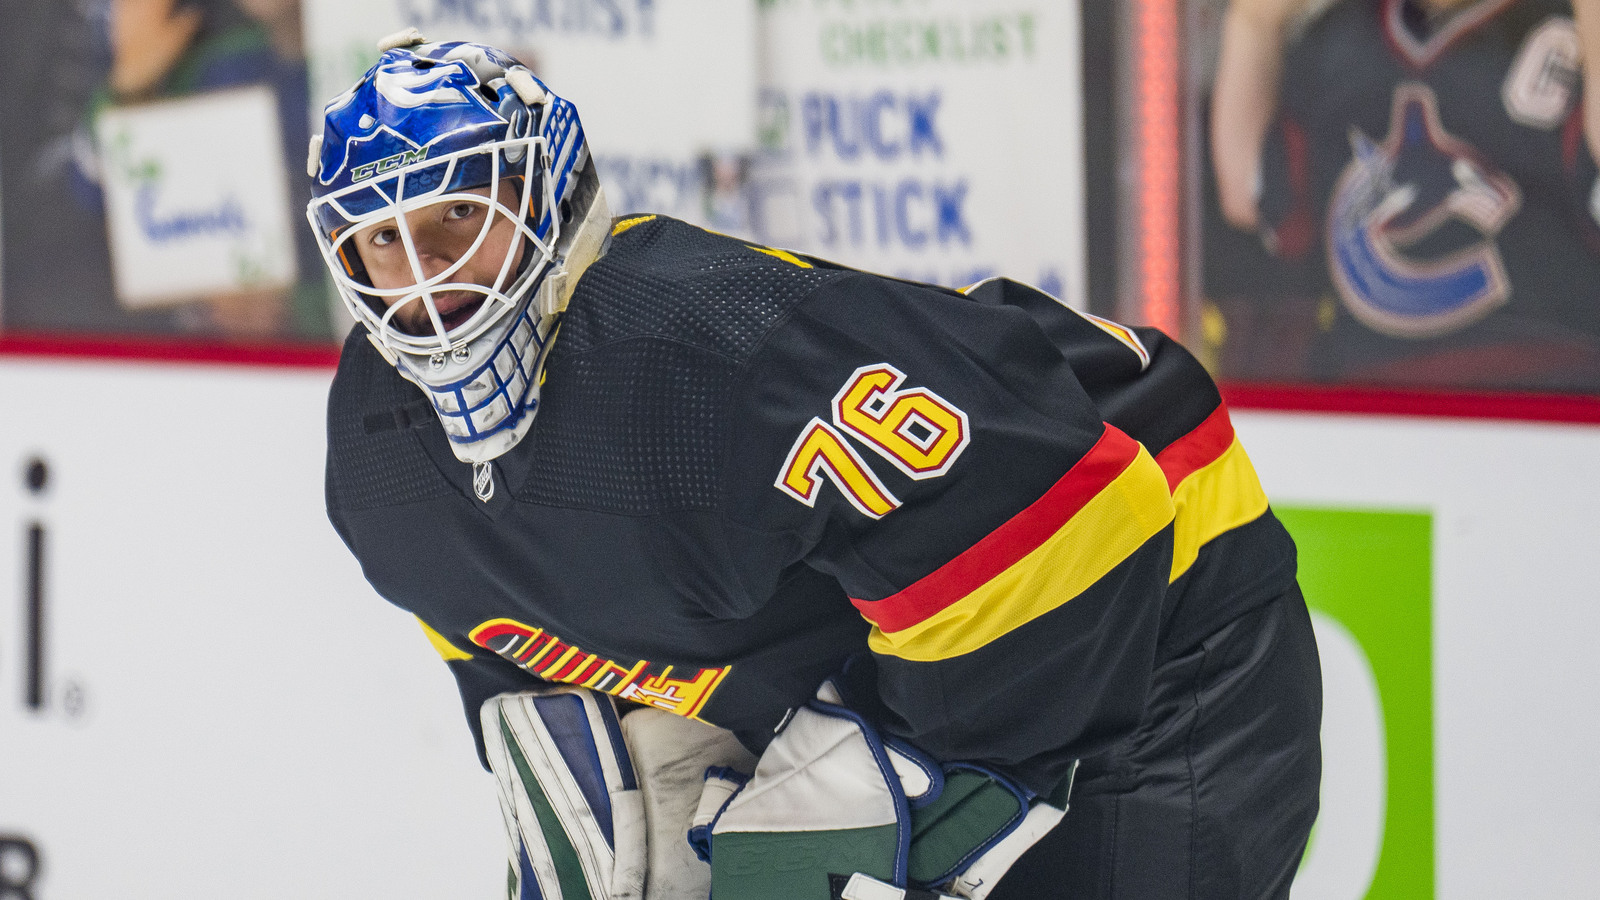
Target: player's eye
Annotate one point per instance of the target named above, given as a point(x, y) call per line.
point(462, 210)
point(383, 237)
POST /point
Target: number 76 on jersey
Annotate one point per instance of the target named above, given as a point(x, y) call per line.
point(914, 429)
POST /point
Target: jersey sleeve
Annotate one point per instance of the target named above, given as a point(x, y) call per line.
point(479, 677)
point(1010, 549)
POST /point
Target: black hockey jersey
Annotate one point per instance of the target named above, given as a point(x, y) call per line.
point(749, 467)
point(1436, 168)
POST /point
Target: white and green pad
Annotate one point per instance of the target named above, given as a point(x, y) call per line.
point(571, 802)
point(835, 812)
point(824, 802)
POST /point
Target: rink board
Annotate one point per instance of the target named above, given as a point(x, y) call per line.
point(228, 710)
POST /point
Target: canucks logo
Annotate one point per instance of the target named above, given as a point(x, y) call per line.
point(441, 101)
point(1412, 223)
point(407, 87)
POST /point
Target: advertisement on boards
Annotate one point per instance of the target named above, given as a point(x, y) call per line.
point(199, 694)
point(196, 682)
point(936, 140)
point(1445, 564)
point(1374, 833)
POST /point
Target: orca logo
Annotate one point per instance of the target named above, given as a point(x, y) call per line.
point(1387, 221)
point(421, 92)
point(408, 87)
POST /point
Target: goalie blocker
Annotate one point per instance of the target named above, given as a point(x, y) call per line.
point(836, 811)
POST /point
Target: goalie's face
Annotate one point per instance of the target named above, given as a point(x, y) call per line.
point(438, 265)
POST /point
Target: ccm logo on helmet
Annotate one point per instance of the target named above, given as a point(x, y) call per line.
point(388, 164)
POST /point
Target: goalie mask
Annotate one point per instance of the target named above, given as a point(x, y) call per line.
point(455, 207)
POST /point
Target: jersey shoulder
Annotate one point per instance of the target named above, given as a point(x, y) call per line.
point(663, 279)
point(1138, 379)
point(634, 417)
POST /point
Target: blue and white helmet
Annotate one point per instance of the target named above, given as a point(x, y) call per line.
point(428, 124)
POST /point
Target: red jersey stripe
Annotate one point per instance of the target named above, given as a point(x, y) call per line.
point(1005, 546)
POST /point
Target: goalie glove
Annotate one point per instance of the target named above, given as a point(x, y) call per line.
point(573, 811)
point(836, 812)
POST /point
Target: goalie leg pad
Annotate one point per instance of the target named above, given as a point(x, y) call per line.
point(573, 810)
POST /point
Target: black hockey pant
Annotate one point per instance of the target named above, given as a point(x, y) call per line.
point(1214, 796)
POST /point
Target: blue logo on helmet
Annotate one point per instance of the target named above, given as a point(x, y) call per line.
point(408, 107)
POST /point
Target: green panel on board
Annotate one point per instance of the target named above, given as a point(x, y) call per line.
point(1372, 571)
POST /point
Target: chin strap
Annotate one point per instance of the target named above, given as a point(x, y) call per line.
point(588, 242)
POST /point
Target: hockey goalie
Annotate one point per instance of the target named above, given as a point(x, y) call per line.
point(763, 577)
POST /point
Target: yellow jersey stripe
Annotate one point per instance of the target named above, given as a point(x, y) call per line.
point(1120, 519)
point(445, 649)
point(1212, 501)
point(625, 224)
point(784, 255)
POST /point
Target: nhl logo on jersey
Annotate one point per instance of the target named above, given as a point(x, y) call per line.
point(1393, 261)
point(483, 481)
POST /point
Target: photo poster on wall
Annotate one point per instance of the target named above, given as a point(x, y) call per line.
point(188, 212)
point(196, 141)
point(940, 141)
point(55, 271)
point(1392, 202)
point(662, 86)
